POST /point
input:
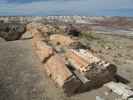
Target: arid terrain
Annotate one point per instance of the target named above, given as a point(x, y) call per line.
point(23, 78)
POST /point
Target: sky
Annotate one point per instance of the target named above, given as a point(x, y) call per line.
point(66, 7)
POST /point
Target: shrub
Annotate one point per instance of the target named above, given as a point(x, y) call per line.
point(88, 36)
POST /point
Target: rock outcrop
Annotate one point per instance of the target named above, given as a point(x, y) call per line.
point(11, 31)
point(72, 69)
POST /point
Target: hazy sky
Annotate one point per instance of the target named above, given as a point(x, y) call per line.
point(67, 7)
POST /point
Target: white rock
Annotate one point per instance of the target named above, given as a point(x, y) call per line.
point(99, 98)
point(120, 89)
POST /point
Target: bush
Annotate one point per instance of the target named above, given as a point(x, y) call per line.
point(88, 36)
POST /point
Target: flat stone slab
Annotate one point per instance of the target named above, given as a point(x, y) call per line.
point(21, 77)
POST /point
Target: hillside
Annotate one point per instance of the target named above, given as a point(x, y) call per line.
point(22, 77)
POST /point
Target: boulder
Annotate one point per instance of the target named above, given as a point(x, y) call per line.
point(58, 39)
point(93, 68)
point(43, 50)
point(26, 35)
point(72, 30)
point(11, 31)
point(75, 60)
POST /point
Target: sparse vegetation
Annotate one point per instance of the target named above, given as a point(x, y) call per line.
point(88, 36)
